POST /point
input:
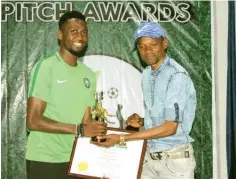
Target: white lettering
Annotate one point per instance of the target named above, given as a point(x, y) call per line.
point(148, 11)
point(184, 15)
point(98, 11)
point(167, 12)
point(131, 13)
point(8, 9)
point(28, 11)
point(111, 11)
point(91, 12)
point(42, 14)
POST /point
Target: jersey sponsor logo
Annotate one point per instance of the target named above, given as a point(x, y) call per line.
point(61, 81)
point(87, 83)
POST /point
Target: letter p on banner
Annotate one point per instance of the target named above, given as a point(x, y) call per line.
point(8, 8)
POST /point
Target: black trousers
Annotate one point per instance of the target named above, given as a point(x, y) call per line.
point(44, 170)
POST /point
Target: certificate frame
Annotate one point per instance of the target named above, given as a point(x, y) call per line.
point(81, 148)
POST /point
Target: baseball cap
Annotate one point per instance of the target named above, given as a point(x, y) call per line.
point(149, 29)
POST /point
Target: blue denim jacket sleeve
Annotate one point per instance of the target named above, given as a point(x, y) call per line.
point(178, 92)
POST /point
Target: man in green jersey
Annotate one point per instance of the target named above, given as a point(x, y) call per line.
point(61, 92)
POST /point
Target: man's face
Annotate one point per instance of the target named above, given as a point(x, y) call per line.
point(152, 50)
point(73, 36)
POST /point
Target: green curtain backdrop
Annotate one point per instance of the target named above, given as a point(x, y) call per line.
point(25, 42)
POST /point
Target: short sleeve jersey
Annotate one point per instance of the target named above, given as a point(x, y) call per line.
point(68, 91)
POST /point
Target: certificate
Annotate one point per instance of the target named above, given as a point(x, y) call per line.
point(91, 161)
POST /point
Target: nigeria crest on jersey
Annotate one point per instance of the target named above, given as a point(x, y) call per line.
point(87, 83)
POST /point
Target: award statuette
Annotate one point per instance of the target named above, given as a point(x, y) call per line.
point(98, 112)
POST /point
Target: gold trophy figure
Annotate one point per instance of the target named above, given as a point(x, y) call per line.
point(98, 112)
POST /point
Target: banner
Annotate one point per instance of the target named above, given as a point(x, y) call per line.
point(29, 34)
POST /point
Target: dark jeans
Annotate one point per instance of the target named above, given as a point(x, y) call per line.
point(44, 170)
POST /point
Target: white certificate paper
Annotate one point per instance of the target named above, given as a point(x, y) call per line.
point(91, 161)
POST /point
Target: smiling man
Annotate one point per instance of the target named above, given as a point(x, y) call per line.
point(61, 92)
point(170, 104)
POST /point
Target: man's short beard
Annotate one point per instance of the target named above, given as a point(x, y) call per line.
point(78, 53)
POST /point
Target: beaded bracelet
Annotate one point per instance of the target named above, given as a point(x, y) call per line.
point(80, 130)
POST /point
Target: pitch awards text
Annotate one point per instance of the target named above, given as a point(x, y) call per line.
point(98, 11)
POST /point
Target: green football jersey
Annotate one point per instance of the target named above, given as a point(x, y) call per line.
point(68, 91)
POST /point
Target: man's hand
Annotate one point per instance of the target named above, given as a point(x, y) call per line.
point(135, 121)
point(95, 128)
point(111, 140)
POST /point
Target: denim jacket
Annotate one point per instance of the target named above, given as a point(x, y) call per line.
point(169, 94)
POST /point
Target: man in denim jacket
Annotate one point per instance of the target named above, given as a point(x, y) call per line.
point(170, 104)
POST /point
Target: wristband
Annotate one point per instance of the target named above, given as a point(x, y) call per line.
point(77, 130)
point(81, 130)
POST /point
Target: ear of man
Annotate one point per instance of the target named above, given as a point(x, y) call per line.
point(165, 43)
point(59, 34)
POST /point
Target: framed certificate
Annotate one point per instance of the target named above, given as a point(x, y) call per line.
point(94, 162)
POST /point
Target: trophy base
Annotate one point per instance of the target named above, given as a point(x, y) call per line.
point(94, 139)
point(130, 128)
